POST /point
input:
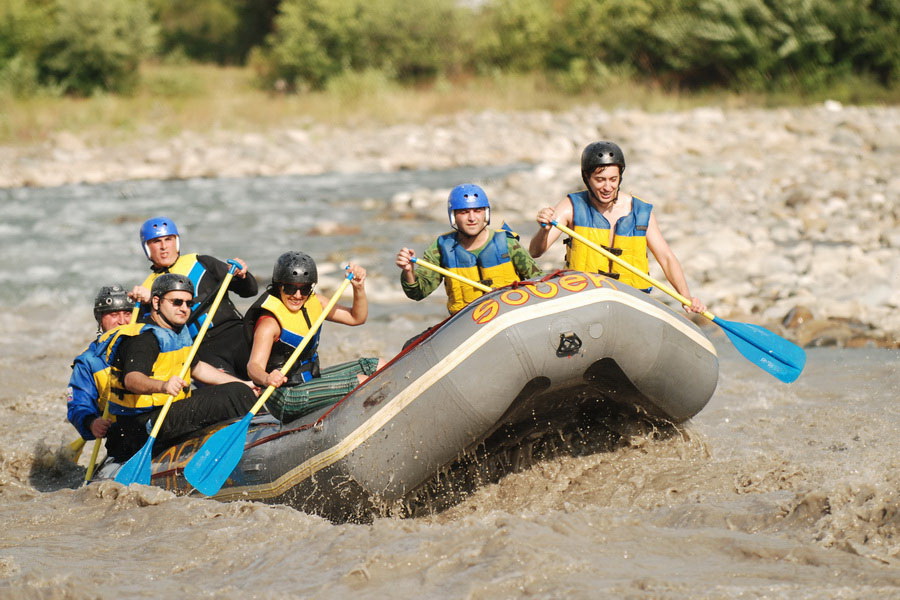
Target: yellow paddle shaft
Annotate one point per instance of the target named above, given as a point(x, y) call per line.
point(89, 474)
point(187, 363)
point(452, 275)
point(622, 263)
point(306, 339)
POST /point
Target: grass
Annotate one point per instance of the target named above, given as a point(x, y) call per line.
point(205, 98)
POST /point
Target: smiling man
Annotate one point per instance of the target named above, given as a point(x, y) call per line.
point(146, 359)
point(473, 250)
point(616, 220)
point(224, 346)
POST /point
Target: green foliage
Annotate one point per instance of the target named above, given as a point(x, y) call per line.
point(204, 30)
point(514, 35)
point(865, 37)
point(21, 39)
point(72, 46)
point(315, 40)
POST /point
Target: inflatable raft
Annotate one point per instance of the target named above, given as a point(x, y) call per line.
point(518, 364)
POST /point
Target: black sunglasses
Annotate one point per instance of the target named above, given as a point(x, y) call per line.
point(179, 301)
point(290, 289)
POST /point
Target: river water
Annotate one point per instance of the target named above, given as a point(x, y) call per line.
point(773, 490)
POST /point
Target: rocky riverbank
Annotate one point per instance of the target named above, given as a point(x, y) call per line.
point(786, 217)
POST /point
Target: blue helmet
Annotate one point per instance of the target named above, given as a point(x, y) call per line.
point(158, 227)
point(468, 195)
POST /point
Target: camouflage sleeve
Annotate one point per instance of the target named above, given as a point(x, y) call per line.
point(525, 266)
point(426, 280)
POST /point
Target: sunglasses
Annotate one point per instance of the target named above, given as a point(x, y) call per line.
point(290, 289)
point(179, 302)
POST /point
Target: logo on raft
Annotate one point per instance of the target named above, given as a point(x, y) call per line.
point(485, 311)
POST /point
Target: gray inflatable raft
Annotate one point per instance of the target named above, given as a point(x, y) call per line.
point(516, 365)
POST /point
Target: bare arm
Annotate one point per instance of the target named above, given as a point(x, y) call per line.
point(265, 334)
point(547, 235)
point(670, 264)
point(208, 374)
point(359, 311)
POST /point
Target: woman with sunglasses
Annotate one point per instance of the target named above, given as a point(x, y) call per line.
point(279, 321)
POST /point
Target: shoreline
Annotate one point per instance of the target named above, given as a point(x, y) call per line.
point(787, 217)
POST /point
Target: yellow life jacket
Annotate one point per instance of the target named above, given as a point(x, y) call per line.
point(174, 349)
point(630, 239)
point(492, 266)
point(294, 329)
point(190, 267)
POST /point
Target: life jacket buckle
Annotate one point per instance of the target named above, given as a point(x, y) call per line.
point(610, 275)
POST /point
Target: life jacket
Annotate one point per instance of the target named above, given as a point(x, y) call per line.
point(88, 390)
point(193, 269)
point(174, 349)
point(294, 329)
point(492, 267)
point(630, 241)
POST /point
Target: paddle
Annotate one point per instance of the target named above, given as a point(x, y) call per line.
point(451, 274)
point(771, 352)
point(89, 474)
point(137, 469)
point(76, 446)
point(219, 455)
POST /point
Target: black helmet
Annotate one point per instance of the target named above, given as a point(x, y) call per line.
point(171, 282)
point(111, 298)
point(295, 267)
point(601, 154)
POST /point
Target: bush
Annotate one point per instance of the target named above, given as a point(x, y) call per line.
point(96, 45)
point(514, 35)
point(315, 40)
point(21, 39)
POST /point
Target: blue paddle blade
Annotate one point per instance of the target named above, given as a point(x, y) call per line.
point(771, 352)
point(137, 469)
point(217, 458)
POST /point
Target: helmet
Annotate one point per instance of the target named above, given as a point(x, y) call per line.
point(467, 195)
point(111, 298)
point(171, 282)
point(295, 267)
point(158, 227)
point(600, 154)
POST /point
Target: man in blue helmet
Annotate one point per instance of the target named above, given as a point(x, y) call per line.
point(88, 388)
point(473, 250)
point(225, 346)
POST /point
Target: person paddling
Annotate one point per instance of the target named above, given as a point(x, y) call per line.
point(472, 250)
point(146, 359)
point(279, 321)
point(88, 389)
point(224, 346)
point(613, 219)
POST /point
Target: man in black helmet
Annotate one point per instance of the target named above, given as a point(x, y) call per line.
point(146, 360)
point(89, 385)
point(616, 220)
point(224, 346)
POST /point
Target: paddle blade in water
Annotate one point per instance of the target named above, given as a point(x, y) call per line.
point(217, 458)
point(771, 352)
point(137, 469)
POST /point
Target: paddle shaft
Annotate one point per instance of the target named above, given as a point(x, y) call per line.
point(196, 345)
point(306, 339)
point(451, 274)
point(89, 474)
point(596, 247)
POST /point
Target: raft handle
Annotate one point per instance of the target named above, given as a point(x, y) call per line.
point(569, 344)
